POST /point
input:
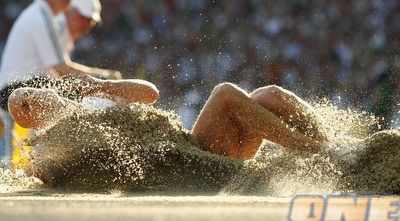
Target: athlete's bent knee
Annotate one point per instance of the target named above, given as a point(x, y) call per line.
point(270, 92)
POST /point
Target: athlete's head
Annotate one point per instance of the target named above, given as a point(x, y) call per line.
point(33, 108)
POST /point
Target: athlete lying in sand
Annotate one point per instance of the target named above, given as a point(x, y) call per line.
point(34, 108)
point(232, 123)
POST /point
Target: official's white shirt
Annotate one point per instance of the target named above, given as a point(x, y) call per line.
point(32, 44)
point(66, 41)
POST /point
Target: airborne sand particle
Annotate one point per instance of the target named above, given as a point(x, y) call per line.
point(139, 148)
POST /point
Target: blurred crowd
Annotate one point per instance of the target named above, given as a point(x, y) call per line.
point(344, 50)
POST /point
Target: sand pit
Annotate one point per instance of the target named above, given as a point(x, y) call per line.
point(377, 166)
point(85, 207)
point(140, 148)
point(138, 162)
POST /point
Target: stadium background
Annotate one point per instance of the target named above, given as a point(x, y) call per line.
point(346, 51)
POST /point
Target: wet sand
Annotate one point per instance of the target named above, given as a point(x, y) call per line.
point(46, 206)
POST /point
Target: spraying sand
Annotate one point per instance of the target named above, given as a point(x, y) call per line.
point(141, 148)
point(137, 147)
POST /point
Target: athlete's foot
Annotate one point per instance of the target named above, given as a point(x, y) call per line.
point(36, 108)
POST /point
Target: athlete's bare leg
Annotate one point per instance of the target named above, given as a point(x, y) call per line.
point(291, 109)
point(233, 123)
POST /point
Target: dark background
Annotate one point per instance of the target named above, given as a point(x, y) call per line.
point(345, 51)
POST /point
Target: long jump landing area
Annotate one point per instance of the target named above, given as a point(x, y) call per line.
point(39, 206)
